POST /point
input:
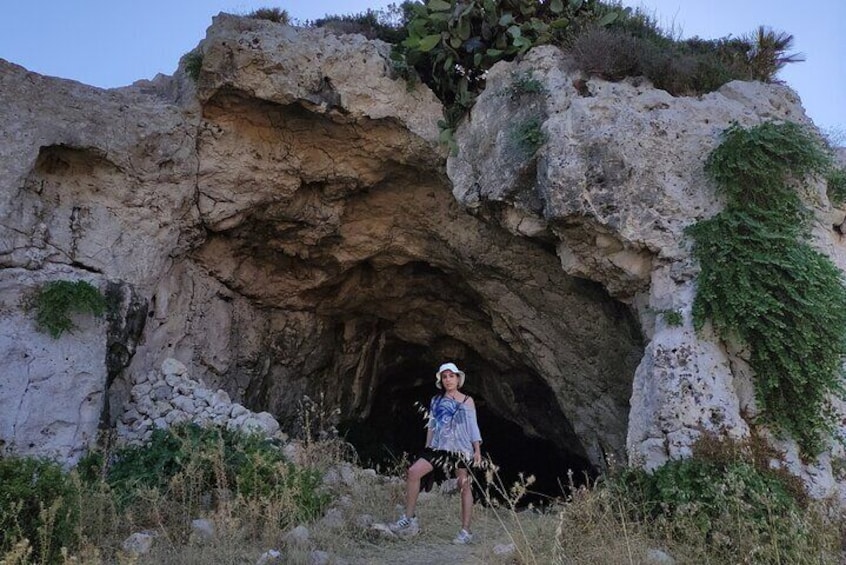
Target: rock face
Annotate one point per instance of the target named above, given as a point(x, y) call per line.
point(52, 390)
point(288, 225)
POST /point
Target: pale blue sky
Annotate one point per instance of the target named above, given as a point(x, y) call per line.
point(115, 42)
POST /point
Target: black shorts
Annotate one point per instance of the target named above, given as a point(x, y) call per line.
point(447, 461)
point(444, 464)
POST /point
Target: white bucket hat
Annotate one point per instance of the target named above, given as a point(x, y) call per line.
point(449, 367)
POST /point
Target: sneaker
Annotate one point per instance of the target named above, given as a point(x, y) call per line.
point(405, 526)
point(463, 537)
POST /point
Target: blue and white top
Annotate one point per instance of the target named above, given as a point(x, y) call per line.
point(454, 426)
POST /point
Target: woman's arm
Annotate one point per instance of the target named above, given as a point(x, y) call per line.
point(428, 437)
point(475, 435)
point(477, 453)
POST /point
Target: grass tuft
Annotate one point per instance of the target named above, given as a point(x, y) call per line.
point(57, 300)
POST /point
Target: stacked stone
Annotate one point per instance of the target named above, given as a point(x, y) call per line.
point(170, 397)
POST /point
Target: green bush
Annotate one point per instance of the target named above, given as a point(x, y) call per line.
point(641, 25)
point(56, 300)
point(213, 458)
point(37, 502)
point(761, 283)
point(451, 44)
point(726, 494)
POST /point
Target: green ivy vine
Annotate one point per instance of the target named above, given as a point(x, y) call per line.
point(762, 283)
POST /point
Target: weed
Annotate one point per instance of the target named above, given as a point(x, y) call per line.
point(635, 45)
point(214, 459)
point(57, 300)
point(319, 444)
point(673, 318)
point(752, 516)
point(528, 135)
point(446, 137)
point(727, 503)
point(525, 83)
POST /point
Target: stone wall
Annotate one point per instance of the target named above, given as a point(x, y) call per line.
point(169, 397)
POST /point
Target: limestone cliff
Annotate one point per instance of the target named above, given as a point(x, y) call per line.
point(288, 225)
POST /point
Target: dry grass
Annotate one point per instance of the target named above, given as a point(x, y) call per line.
point(596, 524)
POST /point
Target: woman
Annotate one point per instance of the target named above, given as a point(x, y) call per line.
point(452, 442)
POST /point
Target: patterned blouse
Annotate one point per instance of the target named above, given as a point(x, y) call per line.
point(453, 424)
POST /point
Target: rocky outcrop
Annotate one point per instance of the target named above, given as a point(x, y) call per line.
point(616, 182)
point(288, 225)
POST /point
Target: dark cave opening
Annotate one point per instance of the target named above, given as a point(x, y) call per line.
point(393, 432)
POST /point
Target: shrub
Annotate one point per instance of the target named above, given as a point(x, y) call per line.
point(206, 460)
point(692, 67)
point(836, 185)
point(388, 24)
point(768, 53)
point(277, 15)
point(762, 284)
point(56, 300)
point(641, 25)
point(609, 54)
point(38, 503)
point(634, 45)
point(193, 63)
point(728, 502)
point(528, 136)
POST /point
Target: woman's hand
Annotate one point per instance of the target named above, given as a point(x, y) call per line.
point(477, 458)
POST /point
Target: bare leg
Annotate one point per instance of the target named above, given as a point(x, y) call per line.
point(466, 487)
point(420, 468)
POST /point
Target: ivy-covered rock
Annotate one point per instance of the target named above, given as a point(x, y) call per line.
point(762, 283)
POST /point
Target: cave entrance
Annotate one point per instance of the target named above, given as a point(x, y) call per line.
point(392, 432)
point(365, 274)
